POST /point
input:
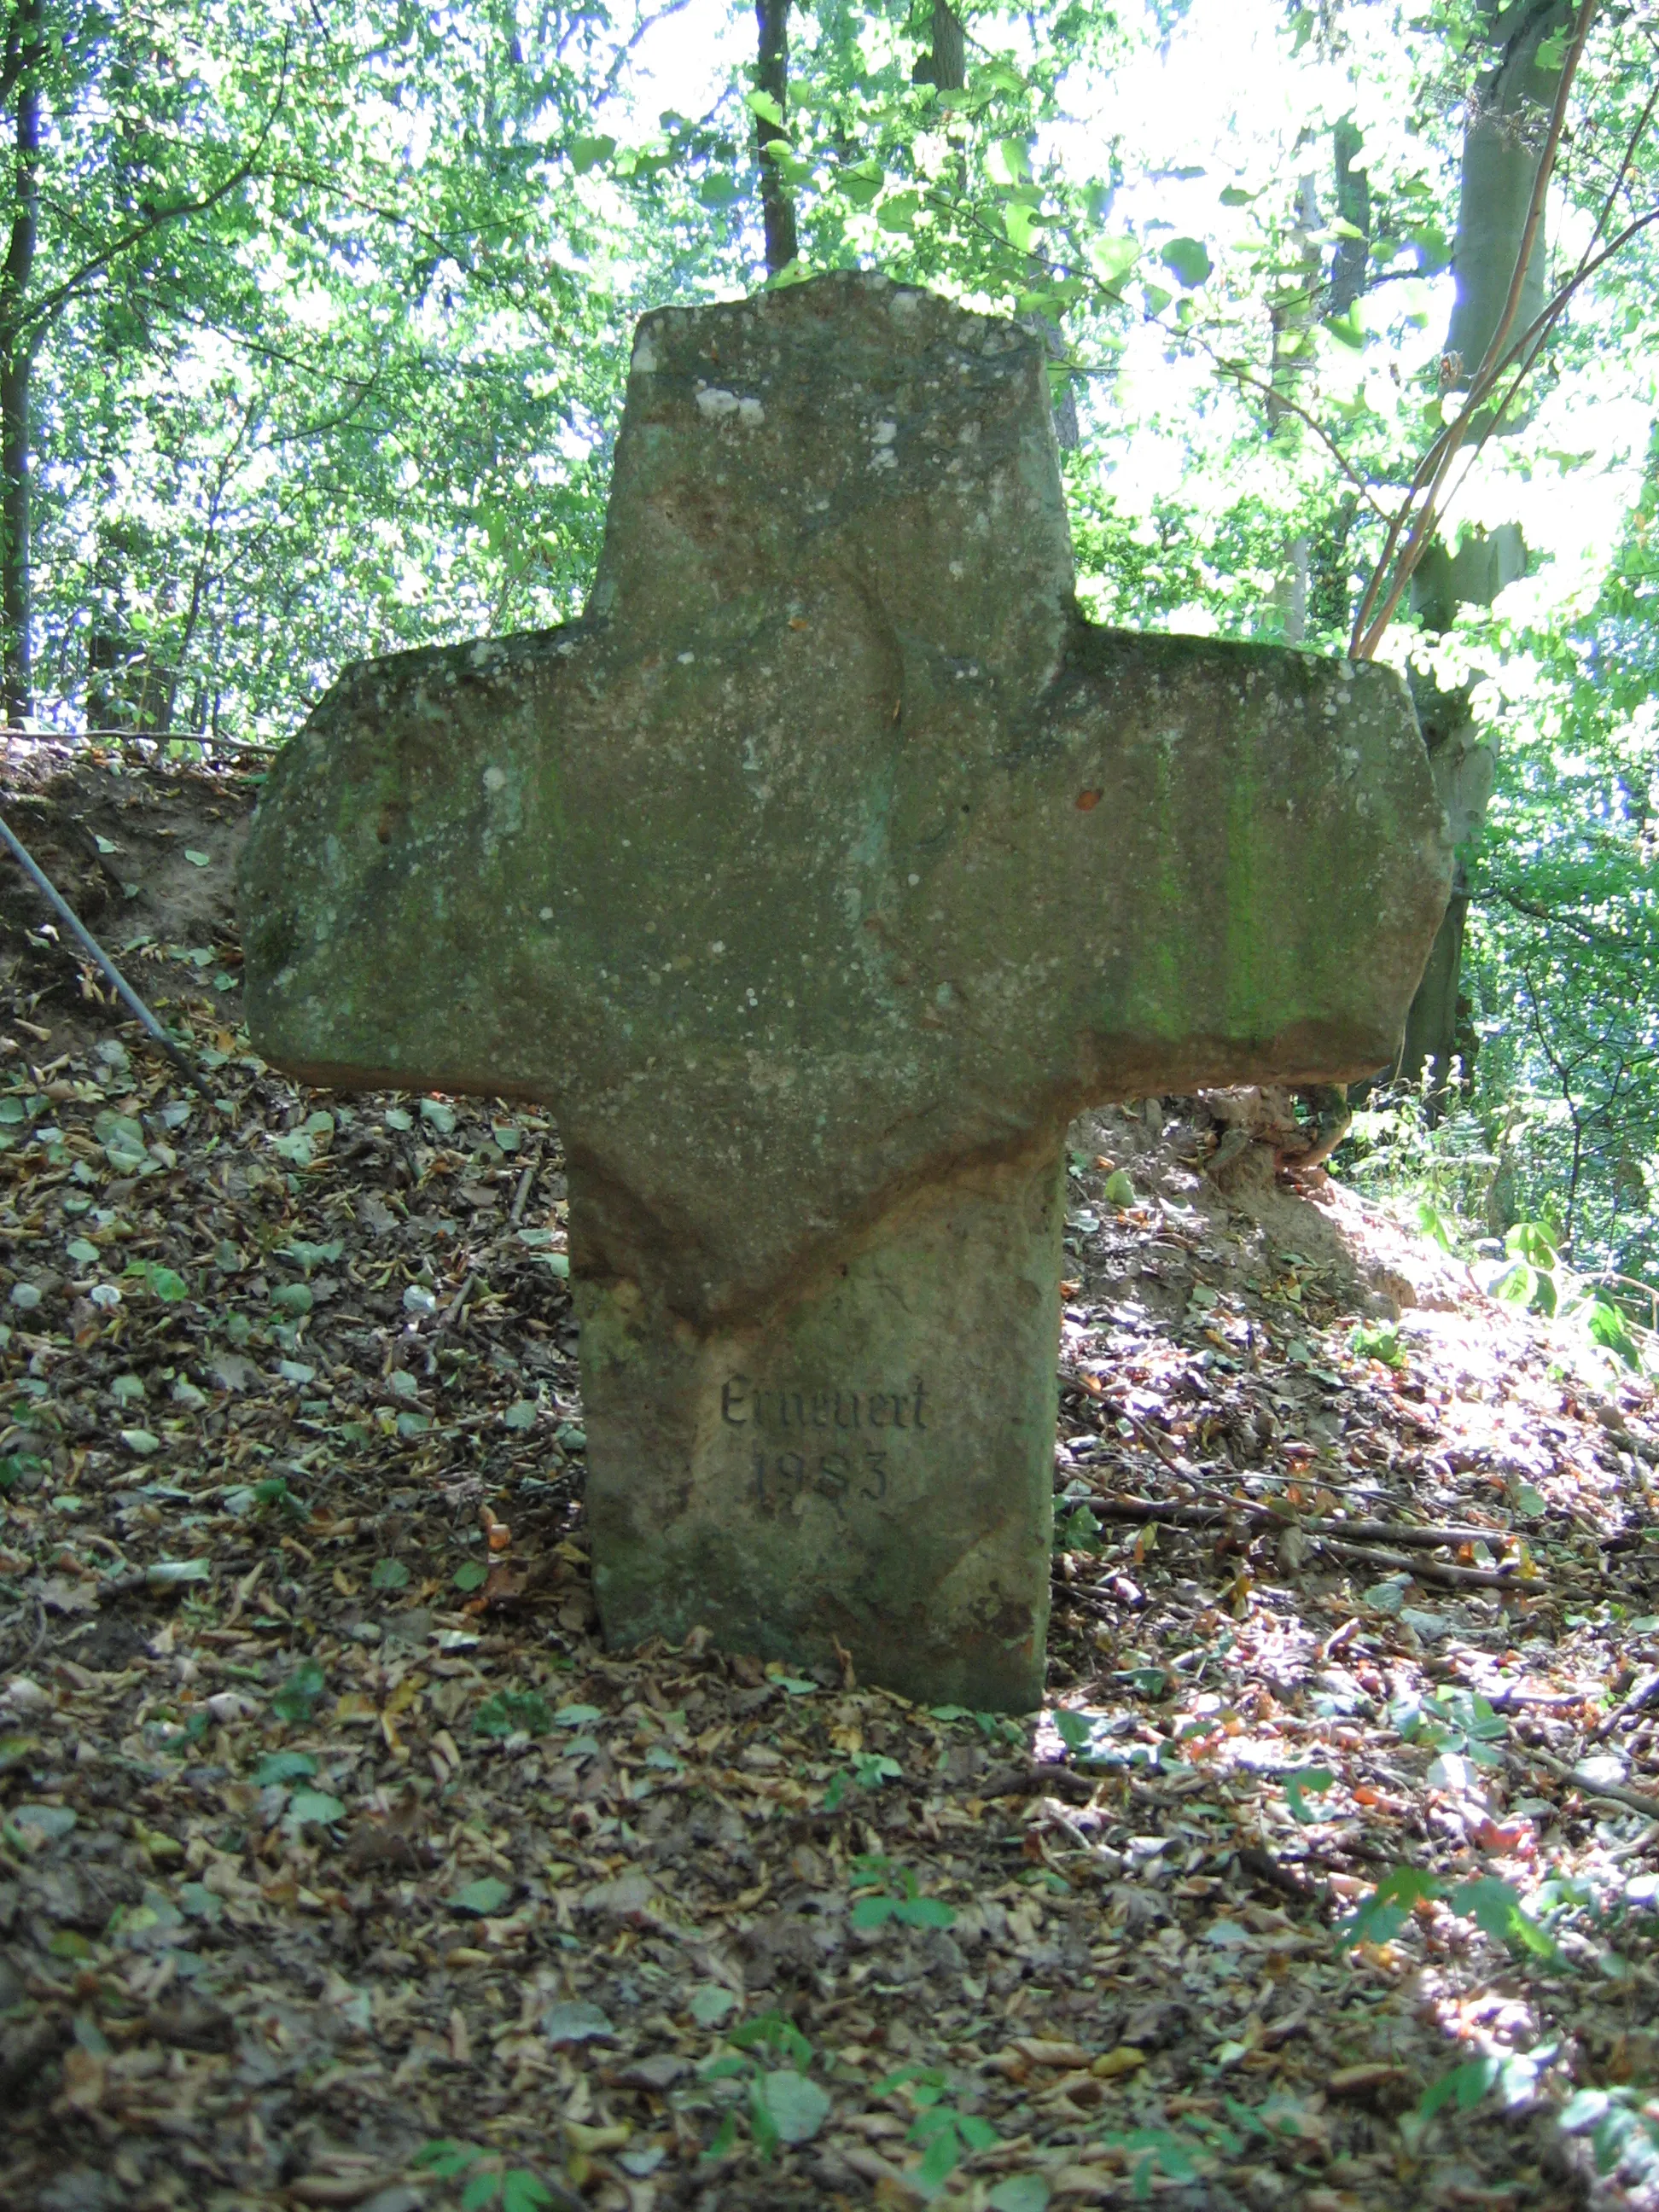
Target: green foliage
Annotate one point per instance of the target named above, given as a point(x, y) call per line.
point(1458, 1721)
point(895, 1896)
point(1622, 2126)
point(300, 1693)
point(1378, 1340)
point(1298, 1782)
point(488, 2178)
point(1078, 1531)
point(869, 1770)
point(508, 1712)
point(329, 325)
point(944, 2133)
point(1153, 2151)
point(781, 2102)
point(1495, 1907)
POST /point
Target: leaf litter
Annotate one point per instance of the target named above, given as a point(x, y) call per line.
point(340, 1864)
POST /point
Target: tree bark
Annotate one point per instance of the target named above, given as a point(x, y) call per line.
point(1501, 145)
point(1293, 309)
point(16, 364)
point(1351, 260)
point(772, 76)
point(950, 61)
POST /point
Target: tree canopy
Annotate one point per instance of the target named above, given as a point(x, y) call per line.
point(313, 320)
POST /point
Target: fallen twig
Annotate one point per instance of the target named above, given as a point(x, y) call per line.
point(1211, 1517)
point(1429, 1570)
point(112, 975)
point(1644, 1692)
point(1613, 1793)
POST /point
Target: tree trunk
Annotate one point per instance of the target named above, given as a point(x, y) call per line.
point(950, 69)
point(777, 201)
point(1508, 113)
point(1351, 260)
point(17, 363)
point(1293, 310)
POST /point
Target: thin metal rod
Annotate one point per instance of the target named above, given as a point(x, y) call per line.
point(112, 975)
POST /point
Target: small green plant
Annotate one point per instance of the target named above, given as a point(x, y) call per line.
point(1453, 1720)
point(783, 2104)
point(509, 1711)
point(489, 2177)
point(1495, 1907)
point(295, 1700)
point(1079, 1531)
point(1298, 1782)
point(870, 1768)
point(942, 2131)
point(1539, 1280)
point(1378, 1340)
point(1513, 2075)
point(894, 1895)
point(16, 1467)
point(1623, 2127)
point(1150, 2151)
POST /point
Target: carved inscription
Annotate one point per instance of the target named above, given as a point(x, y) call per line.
point(833, 1443)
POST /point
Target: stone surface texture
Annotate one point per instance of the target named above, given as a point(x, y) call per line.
point(817, 877)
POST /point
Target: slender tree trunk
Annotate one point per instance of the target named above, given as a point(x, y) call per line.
point(1350, 261)
point(17, 363)
point(1294, 309)
point(950, 70)
point(777, 201)
point(1508, 113)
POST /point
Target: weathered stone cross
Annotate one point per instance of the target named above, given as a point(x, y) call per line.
point(818, 878)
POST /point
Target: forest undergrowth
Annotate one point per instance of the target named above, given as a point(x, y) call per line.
point(341, 1865)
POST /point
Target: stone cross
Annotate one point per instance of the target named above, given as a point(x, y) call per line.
point(817, 877)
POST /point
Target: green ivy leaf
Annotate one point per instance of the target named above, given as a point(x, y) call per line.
point(482, 1899)
point(284, 1766)
point(1188, 257)
point(295, 1700)
point(1302, 1778)
point(862, 184)
point(1495, 1907)
point(446, 2158)
point(314, 1805)
point(798, 2107)
point(522, 2191)
point(1021, 2192)
point(1112, 258)
point(1388, 1907)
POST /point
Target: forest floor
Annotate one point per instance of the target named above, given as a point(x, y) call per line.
point(341, 1865)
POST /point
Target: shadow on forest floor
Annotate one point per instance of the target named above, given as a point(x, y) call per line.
point(332, 1834)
